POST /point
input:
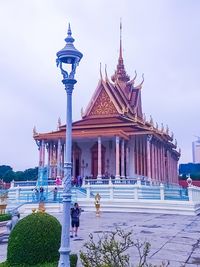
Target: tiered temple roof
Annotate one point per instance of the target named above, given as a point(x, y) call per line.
point(114, 109)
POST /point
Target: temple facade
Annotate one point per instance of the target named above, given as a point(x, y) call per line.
point(113, 138)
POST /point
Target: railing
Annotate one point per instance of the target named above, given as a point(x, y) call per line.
point(30, 183)
point(194, 193)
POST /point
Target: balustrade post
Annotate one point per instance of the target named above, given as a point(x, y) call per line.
point(190, 193)
point(138, 181)
point(88, 191)
point(12, 184)
point(18, 193)
point(111, 189)
point(83, 182)
point(162, 193)
point(136, 187)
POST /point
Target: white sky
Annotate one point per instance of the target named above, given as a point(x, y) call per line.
point(160, 39)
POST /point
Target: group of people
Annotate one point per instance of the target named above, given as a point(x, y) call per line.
point(77, 181)
point(38, 194)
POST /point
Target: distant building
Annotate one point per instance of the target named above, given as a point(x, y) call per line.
point(196, 151)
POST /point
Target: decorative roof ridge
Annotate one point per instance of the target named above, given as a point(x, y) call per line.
point(93, 98)
point(121, 92)
point(116, 96)
point(139, 86)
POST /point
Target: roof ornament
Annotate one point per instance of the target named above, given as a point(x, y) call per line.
point(175, 143)
point(172, 135)
point(139, 86)
point(162, 127)
point(59, 123)
point(156, 125)
point(106, 74)
point(34, 131)
point(167, 129)
point(120, 48)
point(82, 112)
point(179, 150)
point(133, 80)
point(100, 72)
point(144, 117)
point(135, 117)
point(120, 73)
point(151, 121)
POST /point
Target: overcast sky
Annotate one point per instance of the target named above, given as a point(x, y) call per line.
point(160, 39)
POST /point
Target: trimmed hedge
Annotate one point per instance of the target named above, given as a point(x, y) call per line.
point(5, 217)
point(34, 240)
point(73, 263)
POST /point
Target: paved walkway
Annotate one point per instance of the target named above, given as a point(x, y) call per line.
point(173, 237)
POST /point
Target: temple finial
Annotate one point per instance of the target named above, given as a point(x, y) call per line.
point(120, 47)
point(100, 71)
point(69, 32)
point(120, 73)
point(69, 38)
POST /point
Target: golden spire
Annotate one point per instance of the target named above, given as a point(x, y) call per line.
point(120, 73)
point(120, 45)
point(34, 131)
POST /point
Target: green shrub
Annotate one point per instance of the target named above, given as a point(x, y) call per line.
point(73, 260)
point(73, 263)
point(35, 239)
point(5, 217)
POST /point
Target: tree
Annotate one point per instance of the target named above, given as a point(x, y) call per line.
point(9, 176)
point(4, 169)
point(110, 251)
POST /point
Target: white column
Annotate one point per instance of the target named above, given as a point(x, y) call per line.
point(122, 159)
point(40, 153)
point(43, 153)
point(59, 159)
point(117, 175)
point(99, 176)
point(148, 158)
point(127, 161)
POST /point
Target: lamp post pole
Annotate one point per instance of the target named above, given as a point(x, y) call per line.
point(70, 57)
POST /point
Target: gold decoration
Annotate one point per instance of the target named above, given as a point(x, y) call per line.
point(41, 207)
point(167, 129)
point(59, 123)
point(103, 105)
point(151, 121)
point(97, 204)
point(82, 112)
point(162, 127)
point(34, 131)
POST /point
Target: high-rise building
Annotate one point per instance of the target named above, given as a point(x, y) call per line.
point(196, 150)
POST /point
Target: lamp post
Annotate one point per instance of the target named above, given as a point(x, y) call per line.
point(67, 60)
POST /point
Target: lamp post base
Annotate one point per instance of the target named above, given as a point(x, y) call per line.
point(64, 260)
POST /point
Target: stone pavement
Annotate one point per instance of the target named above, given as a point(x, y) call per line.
point(173, 237)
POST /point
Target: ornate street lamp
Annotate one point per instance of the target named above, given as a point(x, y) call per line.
point(67, 59)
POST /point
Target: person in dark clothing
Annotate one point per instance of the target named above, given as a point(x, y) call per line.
point(55, 192)
point(75, 221)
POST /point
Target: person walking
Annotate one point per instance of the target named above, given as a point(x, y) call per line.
point(75, 219)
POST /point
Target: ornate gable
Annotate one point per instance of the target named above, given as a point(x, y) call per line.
point(103, 105)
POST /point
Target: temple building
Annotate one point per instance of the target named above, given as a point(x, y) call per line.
point(113, 138)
